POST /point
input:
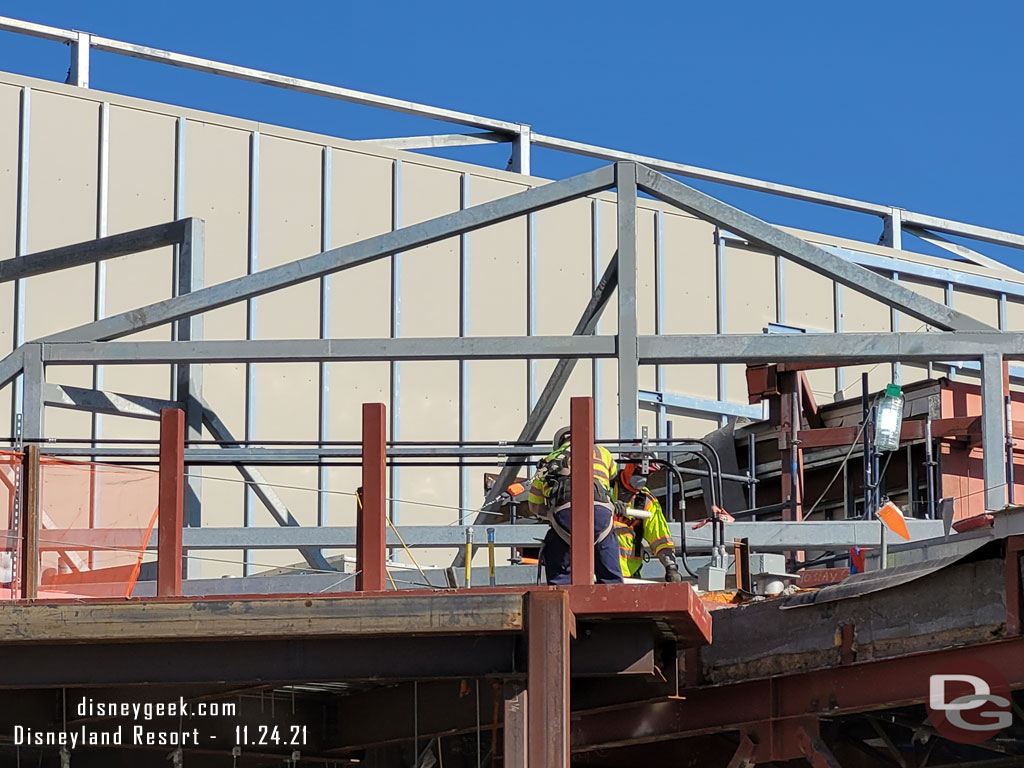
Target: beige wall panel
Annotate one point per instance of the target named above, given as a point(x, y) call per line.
point(563, 266)
point(690, 295)
point(217, 191)
point(62, 191)
point(9, 141)
point(810, 304)
point(297, 487)
point(284, 401)
point(1014, 314)
point(140, 194)
point(63, 423)
point(496, 287)
point(430, 275)
point(437, 490)
point(978, 305)
point(290, 208)
point(580, 384)
point(361, 189)
point(497, 399)
point(684, 425)
point(749, 290)
point(606, 405)
point(607, 227)
point(736, 383)
point(864, 315)
point(351, 385)
point(341, 500)
point(428, 401)
point(809, 298)
point(911, 373)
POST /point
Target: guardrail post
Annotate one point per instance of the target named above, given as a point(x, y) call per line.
point(371, 538)
point(78, 73)
point(30, 524)
point(170, 516)
point(581, 423)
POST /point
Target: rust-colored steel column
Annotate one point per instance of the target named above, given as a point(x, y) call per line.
point(515, 728)
point(550, 623)
point(581, 422)
point(30, 524)
point(371, 533)
point(172, 500)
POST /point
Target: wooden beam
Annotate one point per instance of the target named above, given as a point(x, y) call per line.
point(289, 617)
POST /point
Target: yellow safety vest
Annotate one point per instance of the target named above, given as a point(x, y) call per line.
point(632, 531)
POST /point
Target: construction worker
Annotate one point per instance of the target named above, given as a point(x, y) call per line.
point(550, 497)
point(630, 492)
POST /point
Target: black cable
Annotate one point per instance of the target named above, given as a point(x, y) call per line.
point(682, 526)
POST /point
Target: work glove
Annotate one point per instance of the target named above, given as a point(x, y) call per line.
point(668, 559)
point(620, 508)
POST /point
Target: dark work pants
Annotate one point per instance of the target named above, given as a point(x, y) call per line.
point(557, 561)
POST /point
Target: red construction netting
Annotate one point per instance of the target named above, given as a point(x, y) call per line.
point(95, 521)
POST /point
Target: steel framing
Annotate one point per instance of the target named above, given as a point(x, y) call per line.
point(90, 344)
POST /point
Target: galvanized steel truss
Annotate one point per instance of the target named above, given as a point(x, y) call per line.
point(964, 338)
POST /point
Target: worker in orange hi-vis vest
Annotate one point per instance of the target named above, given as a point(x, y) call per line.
point(639, 518)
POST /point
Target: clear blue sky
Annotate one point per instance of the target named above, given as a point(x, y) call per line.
point(913, 103)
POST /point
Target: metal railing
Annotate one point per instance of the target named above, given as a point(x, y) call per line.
point(895, 220)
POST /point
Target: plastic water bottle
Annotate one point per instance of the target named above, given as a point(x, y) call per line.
point(890, 419)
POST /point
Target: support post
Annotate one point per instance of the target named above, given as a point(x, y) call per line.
point(32, 392)
point(520, 160)
point(30, 524)
point(993, 439)
point(188, 383)
point(172, 502)
point(78, 72)
point(370, 524)
point(581, 441)
point(550, 624)
point(516, 733)
point(892, 229)
point(628, 357)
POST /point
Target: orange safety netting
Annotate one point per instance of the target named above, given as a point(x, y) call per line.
point(10, 466)
point(95, 522)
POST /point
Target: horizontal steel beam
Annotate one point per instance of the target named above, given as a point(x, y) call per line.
point(832, 348)
point(300, 350)
point(960, 250)
point(971, 231)
point(679, 349)
point(337, 259)
point(440, 140)
point(764, 536)
point(804, 253)
point(92, 251)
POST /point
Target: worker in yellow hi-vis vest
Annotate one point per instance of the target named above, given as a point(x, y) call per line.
point(639, 518)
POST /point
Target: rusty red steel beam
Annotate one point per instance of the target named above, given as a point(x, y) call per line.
point(957, 426)
point(1015, 585)
point(371, 518)
point(170, 518)
point(581, 441)
point(549, 625)
point(858, 687)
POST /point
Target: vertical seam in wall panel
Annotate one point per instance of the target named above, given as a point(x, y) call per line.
point(596, 272)
point(326, 180)
point(837, 323)
point(21, 241)
point(250, 317)
point(1002, 311)
point(780, 290)
point(720, 308)
point(463, 364)
point(894, 317)
point(102, 207)
point(659, 307)
point(949, 303)
point(531, 306)
point(396, 331)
